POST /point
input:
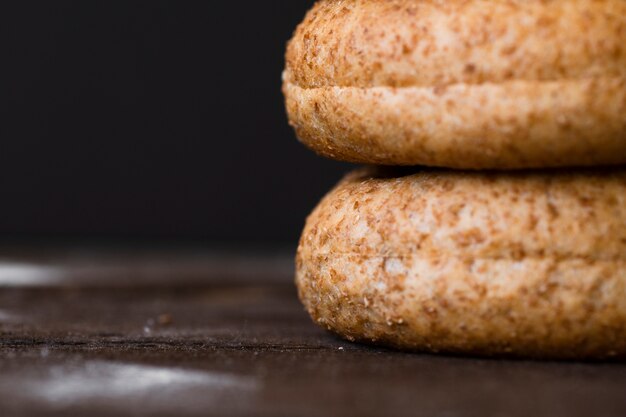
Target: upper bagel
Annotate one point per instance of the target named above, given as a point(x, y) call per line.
point(461, 83)
point(419, 43)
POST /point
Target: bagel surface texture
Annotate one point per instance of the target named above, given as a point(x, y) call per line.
point(461, 83)
point(522, 264)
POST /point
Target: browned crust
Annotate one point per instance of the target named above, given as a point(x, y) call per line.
point(465, 84)
point(527, 264)
point(399, 43)
point(517, 124)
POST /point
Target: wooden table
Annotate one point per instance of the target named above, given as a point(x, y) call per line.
point(183, 331)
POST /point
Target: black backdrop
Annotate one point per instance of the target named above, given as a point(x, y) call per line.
point(151, 120)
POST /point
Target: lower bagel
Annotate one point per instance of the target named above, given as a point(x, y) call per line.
point(527, 264)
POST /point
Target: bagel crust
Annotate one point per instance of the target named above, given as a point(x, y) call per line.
point(526, 264)
point(461, 83)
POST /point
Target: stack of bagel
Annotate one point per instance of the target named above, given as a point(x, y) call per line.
point(491, 216)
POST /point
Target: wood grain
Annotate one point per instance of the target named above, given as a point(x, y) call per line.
point(192, 331)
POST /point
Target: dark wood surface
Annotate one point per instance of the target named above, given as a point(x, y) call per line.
point(101, 331)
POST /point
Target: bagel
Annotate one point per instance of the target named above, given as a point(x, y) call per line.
point(525, 264)
point(468, 84)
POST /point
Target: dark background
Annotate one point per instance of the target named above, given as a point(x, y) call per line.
point(153, 120)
